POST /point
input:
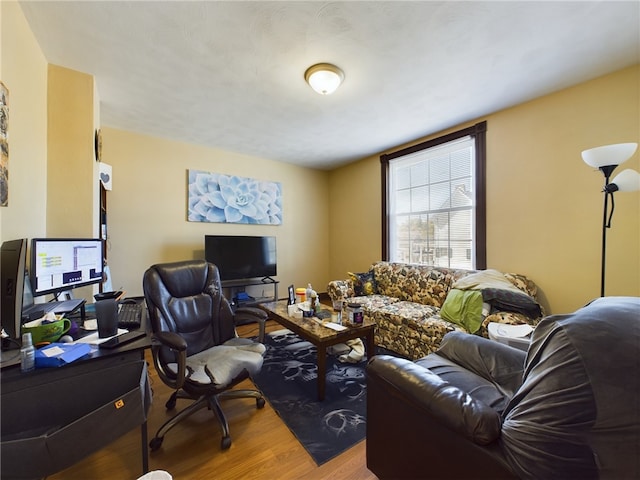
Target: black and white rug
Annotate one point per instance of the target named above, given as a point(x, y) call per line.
point(288, 380)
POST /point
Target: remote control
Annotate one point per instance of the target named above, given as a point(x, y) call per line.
point(120, 340)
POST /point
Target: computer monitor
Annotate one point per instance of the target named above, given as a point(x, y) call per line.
point(61, 264)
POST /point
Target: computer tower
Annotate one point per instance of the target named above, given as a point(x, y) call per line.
point(13, 254)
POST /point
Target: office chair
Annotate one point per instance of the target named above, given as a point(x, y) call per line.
point(196, 350)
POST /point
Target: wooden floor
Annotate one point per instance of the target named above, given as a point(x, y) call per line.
point(262, 448)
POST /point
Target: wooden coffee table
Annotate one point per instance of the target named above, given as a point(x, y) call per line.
point(322, 337)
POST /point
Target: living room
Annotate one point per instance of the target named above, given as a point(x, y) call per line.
point(543, 203)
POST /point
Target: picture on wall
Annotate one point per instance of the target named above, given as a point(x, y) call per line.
point(219, 198)
point(4, 145)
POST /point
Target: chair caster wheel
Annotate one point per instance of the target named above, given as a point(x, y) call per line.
point(260, 402)
point(155, 443)
point(225, 443)
point(171, 403)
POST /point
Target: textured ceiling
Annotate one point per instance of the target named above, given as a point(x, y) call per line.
point(230, 74)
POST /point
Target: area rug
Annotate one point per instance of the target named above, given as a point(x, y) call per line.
point(288, 380)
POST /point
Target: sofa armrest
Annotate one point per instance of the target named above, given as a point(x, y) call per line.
point(526, 286)
point(456, 409)
point(491, 360)
point(419, 426)
point(340, 290)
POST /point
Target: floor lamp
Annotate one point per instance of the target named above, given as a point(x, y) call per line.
point(606, 159)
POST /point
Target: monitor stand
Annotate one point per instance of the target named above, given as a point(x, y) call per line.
point(64, 296)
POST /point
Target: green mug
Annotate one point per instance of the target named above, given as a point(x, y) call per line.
point(46, 332)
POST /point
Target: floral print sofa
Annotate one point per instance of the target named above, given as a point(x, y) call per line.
point(406, 300)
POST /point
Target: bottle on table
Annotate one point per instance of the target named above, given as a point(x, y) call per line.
point(308, 294)
point(27, 353)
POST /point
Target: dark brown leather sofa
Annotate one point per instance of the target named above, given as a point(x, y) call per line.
point(568, 408)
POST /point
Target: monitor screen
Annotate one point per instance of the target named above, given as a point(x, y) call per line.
point(59, 264)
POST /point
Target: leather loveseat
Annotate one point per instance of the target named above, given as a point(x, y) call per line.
point(415, 306)
point(569, 408)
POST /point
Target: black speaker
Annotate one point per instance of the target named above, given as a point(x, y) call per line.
point(13, 254)
point(107, 317)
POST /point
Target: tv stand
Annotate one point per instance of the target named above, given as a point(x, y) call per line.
point(236, 287)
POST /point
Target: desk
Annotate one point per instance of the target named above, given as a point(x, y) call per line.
point(54, 417)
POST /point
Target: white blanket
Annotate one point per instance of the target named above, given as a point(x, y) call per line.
point(485, 279)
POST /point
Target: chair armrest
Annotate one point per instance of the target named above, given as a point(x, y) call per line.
point(252, 315)
point(178, 347)
point(456, 409)
point(491, 360)
point(171, 340)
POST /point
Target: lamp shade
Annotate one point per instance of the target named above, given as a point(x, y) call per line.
point(324, 78)
point(609, 154)
point(627, 181)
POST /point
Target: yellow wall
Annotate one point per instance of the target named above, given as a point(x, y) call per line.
point(72, 178)
point(552, 200)
point(544, 206)
point(24, 72)
point(355, 217)
point(147, 209)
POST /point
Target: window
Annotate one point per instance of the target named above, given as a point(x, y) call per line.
point(434, 201)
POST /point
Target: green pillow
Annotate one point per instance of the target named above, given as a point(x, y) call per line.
point(464, 308)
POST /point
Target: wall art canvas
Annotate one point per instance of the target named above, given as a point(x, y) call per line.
point(4, 145)
point(219, 198)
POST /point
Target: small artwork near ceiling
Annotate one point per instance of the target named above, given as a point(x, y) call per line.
point(219, 198)
point(4, 145)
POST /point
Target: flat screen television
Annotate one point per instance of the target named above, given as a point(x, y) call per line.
point(60, 264)
point(241, 257)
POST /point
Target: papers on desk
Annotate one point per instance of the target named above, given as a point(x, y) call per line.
point(59, 354)
point(91, 324)
point(94, 339)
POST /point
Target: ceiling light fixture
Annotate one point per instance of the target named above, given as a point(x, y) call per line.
point(324, 78)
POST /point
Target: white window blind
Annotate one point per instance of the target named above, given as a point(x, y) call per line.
point(431, 205)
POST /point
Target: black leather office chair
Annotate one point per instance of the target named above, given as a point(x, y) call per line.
point(196, 349)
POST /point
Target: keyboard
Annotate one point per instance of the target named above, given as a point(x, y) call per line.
point(129, 315)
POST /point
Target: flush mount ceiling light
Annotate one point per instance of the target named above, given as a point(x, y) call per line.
point(324, 78)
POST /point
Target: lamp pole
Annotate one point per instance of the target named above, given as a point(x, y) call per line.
point(604, 240)
point(607, 170)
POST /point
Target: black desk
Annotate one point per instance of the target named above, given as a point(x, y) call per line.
point(54, 417)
